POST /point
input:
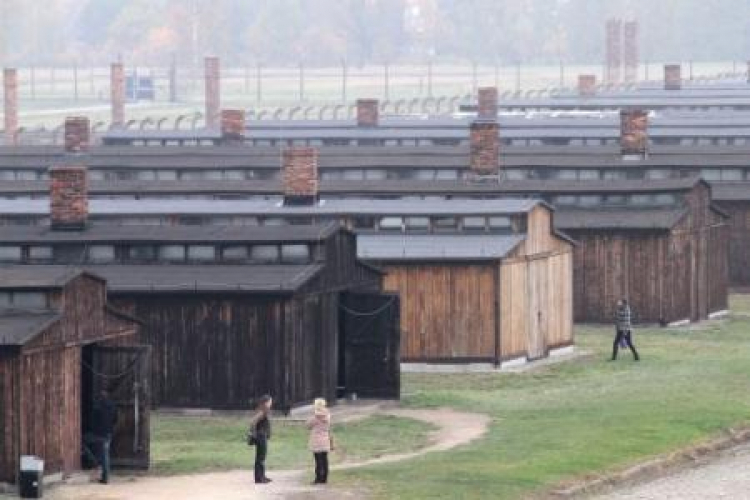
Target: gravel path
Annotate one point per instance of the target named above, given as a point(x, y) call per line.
point(454, 429)
point(727, 477)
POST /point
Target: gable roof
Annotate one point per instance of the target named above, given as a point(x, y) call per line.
point(19, 327)
point(19, 277)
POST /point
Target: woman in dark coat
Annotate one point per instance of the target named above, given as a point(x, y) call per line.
point(623, 329)
point(260, 429)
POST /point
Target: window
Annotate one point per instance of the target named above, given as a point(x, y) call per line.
point(447, 175)
point(101, 253)
point(731, 174)
point(234, 175)
point(10, 253)
point(376, 174)
point(664, 199)
point(166, 175)
point(235, 252)
point(588, 175)
point(201, 253)
point(565, 200)
point(417, 223)
point(499, 222)
point(615, 199)
point(172, 253)
point(295, 254)
point(146, 175)
point(353, 175)
point(30, 300)
point(40, 254)
point(589, 200)
point(6, 300)
point(515, 174)
point(446, 224)
point(566, 174)
point(330, 175)
point(711, 174)
point(640, 199)
point(391, 223)
point(474, 223)
point(142, 252)
point(364, 222)
point(657, 173)
point(264, 254)
point(424, 174)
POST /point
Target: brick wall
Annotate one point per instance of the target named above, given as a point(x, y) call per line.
point(368, 112)
point(586, 85)
point(77, 134)
point(213, 92)
point(300, 175)
point(232, 125)
point(672, 77)
point(69, 206)
point(487, 103)
point(117, 91)
point(484, 147)
point(633, 131)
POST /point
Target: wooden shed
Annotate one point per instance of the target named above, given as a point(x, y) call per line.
point(671, 263)
point(56, 331)
point(480, 298)
point(233, 313)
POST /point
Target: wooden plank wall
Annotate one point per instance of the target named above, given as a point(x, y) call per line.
point(447, 310)
point(514, 309)
point(9, 385)
point(739, 242)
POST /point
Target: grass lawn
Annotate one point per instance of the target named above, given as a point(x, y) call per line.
point(184, 445)
point(581, 417)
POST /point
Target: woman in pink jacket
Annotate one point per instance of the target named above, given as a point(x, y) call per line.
point(320, 439)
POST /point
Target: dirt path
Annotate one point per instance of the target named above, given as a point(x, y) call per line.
point(454, 429)
point(726, 477)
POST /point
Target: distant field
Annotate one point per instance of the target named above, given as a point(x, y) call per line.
point(48, 95)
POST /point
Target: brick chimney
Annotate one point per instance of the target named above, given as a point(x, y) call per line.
point(586, 85)
point(487, 103)
point(69, 204)
point(634, 132)
point(484, 144)
point(10, 86)
point(232, 126)
point(213, 91)
point(77, 134)
point(672, 77)
point(117, 94)
point(630, 51)
point(300, 176)
point(368, 112)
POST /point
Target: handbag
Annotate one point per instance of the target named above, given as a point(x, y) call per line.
point(251, 439)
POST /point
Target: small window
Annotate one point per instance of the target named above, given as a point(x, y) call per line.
point(417, 223)
point(474, 223)
point(446, 223)
point(353, 175)
point(499, 222)
point(589, 200)
point(615, 200)
point(391, 224)
point(234, 175)
point(640, 199)
point(40, 254)
point(235, 252)
point(424, 174)
point(146, 175)
point(447, 175)
point(566, 174)
point(295, 254)
point(264, 254)
point(101, 253)
point(516, 174)
point(201, 253)
point(30, 300)
point(376, 174)
point(172, 253)
point(664, 199)
point(5, 300)
point(731, 174)
point(565, 200)
point(588, 175)
point(274, 221)
point(142, 252)
point(364, 222)
point(657, 173)
point(166, 175)
point(331, 175)
point(10, 253)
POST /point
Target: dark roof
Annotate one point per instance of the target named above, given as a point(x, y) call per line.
point(106, 207)
point(38, 277)
point(634, 219)
point(730, 191)
point(19, 327)
point(111, 233)
point(448, 247)
point(206, 278)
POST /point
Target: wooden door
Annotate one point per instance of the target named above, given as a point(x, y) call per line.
point(370, 343)
point(124, 372)
point(538, 309)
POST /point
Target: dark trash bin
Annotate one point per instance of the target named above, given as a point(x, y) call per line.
point(31, 477)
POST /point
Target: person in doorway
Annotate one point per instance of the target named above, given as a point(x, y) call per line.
point(624, 329)
point(260, 428)
point(103, 421)
point(320, 439)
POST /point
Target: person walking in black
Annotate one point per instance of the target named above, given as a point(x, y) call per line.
point(260, 428)
point(99, 437)
point(624, 329)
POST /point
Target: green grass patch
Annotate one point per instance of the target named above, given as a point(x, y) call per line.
point(581, 417)
point(186, 445)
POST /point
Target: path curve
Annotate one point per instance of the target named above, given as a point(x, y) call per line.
point(454, 429)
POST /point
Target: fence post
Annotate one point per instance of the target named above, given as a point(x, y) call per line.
point(258, 83)
point(301, 82)
point(387, 81)
point(518, 76)
point(429, 78)
point(75, 82)
point(344, 79)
